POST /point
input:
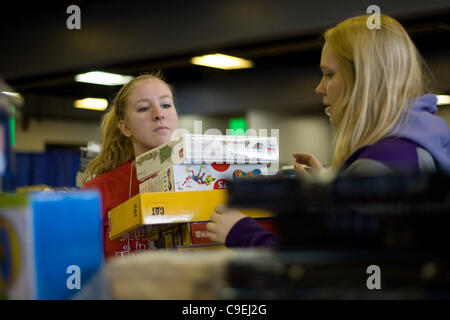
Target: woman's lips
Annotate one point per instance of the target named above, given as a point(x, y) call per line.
point(328, 110)
point(161, 128)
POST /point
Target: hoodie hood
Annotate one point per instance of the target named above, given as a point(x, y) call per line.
point(428, 130)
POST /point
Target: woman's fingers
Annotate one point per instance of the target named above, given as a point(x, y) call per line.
point(211, 227)
point(221, 222)
point(213, 237)
point(299, 169)
point(308, 160)
point(214, 217)
point(305, 158)
point(221, 208)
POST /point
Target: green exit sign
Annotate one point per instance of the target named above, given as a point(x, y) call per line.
point(238, 126)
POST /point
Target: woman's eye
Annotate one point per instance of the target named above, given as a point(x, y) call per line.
point(142, 109)
point(166, 105)
point(328, 75)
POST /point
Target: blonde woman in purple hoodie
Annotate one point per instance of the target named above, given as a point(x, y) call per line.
point(374, 90)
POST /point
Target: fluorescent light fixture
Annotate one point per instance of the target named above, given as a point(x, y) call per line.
point(104, 78)
point(91, 104)
point(11, 94)
point(222, 61)
point(13, 97)
point(443, 100)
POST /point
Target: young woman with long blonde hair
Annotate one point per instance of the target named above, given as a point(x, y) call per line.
point(374, 90)
point(142, 117)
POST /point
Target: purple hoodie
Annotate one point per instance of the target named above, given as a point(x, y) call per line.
point(428, 130)
point(248, 233)
point(423, 129)
point(419, 144)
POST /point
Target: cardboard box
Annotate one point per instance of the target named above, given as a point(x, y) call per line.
point(199, 233)
point(199, 177)
point(50, 243)
point(203, 149)
point(168, 236)
point(169, 207)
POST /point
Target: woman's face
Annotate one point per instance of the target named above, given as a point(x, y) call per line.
point(332, 84)
point(150, 116)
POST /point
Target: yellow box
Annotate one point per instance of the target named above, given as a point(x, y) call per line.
point(169, 207)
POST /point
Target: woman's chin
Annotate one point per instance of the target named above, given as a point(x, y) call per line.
point(162, 137)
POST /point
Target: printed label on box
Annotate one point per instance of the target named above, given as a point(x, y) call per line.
point(184, 177)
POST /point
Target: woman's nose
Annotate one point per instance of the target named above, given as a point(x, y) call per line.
point(320, 89)
point(157, 113)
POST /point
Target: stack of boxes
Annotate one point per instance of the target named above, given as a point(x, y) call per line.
point(183, 181)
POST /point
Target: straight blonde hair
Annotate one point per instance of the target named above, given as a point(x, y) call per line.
point(116, 149)
point(383, 73)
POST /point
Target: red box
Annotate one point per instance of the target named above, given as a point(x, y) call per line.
point(199, 233)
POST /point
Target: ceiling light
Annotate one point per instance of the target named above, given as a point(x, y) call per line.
point(91, 104)
point(14, 98)
point(222, 61)
point(11, 94)
point(104, 78)
point(443, 100)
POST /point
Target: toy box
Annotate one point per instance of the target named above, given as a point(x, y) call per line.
point(169, 207)
point(202, 149)
point(199, 177)
point(168, 236)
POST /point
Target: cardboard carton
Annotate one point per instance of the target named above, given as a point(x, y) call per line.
point(169, 236)
point(199, 177)
point(203, 149)
point(169, 207)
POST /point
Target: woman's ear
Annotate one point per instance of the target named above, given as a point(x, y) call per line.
point(124, 128)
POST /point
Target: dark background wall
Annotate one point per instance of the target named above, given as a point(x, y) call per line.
point(40, 55)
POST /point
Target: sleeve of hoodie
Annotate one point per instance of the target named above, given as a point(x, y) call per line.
point(248, 233)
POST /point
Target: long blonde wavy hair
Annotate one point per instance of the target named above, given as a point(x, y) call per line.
point(116, 148)
point(383, 74)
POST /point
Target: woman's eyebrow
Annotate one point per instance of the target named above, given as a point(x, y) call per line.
point(148, 100)
point(142, 100)
point(325, 68)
